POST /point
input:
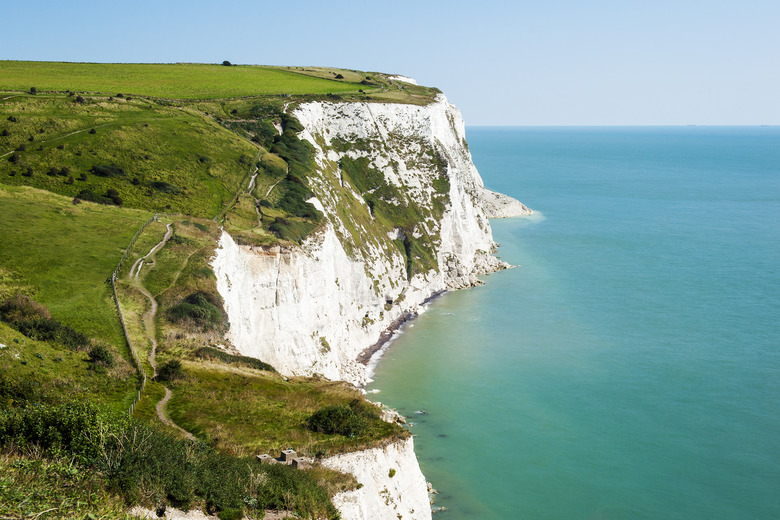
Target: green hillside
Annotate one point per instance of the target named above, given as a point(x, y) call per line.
point(87, 156)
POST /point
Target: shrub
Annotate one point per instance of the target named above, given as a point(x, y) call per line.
point(15, 157)
point(349, 421)
point(230, 359)
point(22, 147)
point(339, 76)
point(201, 308)
point(5, 132)
point(292, 230)
point(80, 99)
point(12, 119)
point(101, 356)
point(107, 170)
point(93, 131)
point(226, 63)
point(171, 371)
point(87, 194)
point(33, 90)
point(28, 172)
point(112, 194)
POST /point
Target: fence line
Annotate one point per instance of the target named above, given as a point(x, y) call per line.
point(139, 367)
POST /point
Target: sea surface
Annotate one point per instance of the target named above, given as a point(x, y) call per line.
point(630, 368)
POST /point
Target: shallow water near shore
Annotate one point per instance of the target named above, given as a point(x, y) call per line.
point(631, 367)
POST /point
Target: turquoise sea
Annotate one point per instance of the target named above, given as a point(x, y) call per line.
point(630, 368)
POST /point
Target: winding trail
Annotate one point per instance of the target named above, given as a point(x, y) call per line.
point(149, 326)
point(168, 422)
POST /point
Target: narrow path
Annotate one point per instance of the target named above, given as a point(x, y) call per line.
point(252, 181)
point(267, 193)
point(168, 422)
point(149, 326)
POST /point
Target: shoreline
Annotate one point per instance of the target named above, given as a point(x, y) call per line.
point(370, 356)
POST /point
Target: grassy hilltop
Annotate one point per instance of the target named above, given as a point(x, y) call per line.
point(88, 154)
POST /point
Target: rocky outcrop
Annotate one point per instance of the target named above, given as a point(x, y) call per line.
point(498, 205)
point(393, 486)
point(312, 309)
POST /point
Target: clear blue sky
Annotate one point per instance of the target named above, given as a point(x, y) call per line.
point(541, 62)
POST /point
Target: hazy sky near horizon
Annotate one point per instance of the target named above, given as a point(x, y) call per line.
point(557, 62)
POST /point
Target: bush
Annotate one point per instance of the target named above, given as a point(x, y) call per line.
point(339, 76)
point(33, 90)
point(230, 359)
point(112, 194)
point(79, 99)
point(226, 63)
point(291, 230)
point(107, 170)
point(101, 356)
point(201, 308)
point(5, 132)
point(171, 371)
point(87, 194)
point(349, 421)
point(15, 157)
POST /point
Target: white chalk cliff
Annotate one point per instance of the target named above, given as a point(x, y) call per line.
point(315, 308)
point(393, 486)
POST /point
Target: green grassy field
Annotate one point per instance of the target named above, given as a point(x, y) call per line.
point(164, 80)
point(166, 159)
point(62, 255)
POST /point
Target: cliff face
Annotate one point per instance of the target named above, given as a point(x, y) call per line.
point(405, 215)
point(393, 486)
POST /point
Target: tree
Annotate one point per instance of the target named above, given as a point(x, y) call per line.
point(226, 63)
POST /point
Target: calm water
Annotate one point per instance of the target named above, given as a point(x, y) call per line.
point(630, 369)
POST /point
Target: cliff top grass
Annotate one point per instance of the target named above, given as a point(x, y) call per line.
point(200, 81)
point(165, 80)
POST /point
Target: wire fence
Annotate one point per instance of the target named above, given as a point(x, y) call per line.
point(139, 367)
